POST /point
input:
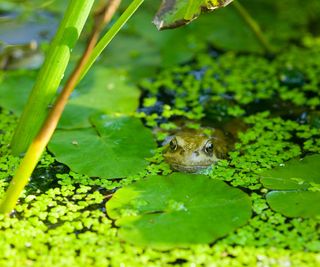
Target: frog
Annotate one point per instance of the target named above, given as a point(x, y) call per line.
point(27, 56)
point(193, 150)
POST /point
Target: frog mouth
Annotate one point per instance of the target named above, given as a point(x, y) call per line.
point(189, 168)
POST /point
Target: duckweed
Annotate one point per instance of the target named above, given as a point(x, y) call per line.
point(233, 85)
point(64, 223)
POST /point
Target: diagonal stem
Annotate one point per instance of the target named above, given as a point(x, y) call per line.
point(106, 39)
point(40, 142)
point(50, 74)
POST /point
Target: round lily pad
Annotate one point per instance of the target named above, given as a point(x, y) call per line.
point(115, 147)
point(297, 187)
point(178, 210)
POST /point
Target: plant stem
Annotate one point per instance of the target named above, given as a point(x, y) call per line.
point(38, 145)
point(50, 74)
point(254, 26)
point(106, 39)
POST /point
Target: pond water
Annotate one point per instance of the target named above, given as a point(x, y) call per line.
point(102, 193)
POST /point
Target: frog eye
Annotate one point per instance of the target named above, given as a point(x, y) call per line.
point(173, 144)
point(208, 147)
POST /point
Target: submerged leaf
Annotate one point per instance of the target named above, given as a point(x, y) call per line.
point(175, 13)
point(296, 185)
point(115, 147)
point(178, 210)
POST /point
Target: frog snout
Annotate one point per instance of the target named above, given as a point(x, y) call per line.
point(196, 153)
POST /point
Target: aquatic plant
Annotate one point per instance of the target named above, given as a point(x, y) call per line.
point(170, 14)
point(62, 217)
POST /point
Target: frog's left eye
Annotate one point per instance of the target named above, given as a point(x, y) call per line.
point(208, 147)
point(173, 144)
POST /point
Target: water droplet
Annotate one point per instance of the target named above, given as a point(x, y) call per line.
point(292, 78)
point(129, 212)
point(139, 203)
point(174, 205)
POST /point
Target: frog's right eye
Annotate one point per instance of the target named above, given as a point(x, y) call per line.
point(208, 148)
point(173, 144)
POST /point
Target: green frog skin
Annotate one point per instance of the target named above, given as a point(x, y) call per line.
point(194, 150)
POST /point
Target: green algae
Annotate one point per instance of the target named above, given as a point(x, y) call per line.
point(64, 223)
point(226, 86)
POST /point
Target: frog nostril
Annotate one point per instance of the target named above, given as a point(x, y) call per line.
point(196, 153)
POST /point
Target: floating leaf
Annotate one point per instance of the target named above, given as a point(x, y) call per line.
point(297, 185)
point(15, 88)
point(115, 147)
point(103, 91)
point(178, 210)
point(295, 204)
point(175, 13)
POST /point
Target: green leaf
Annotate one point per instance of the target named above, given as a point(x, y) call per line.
point(295, 203)
point(50, 74)
point(225, 35)
point(104, 91)
point(297, 185)
point(116, 147)
point(15, 88)
point(175, 13)
point(147, 48)
point(296, 174)
point(178, 210)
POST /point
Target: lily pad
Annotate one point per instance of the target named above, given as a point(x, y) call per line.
point(115, 147)
point(297, 187)
point(103, 91)
point(13, 84)
point(175, 13)
point(178, 210)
